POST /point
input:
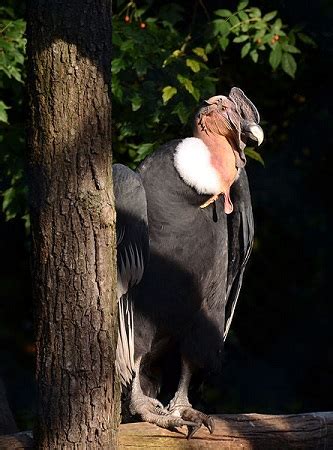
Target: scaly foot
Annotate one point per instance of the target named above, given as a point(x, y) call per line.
point(152, 411)
point(188, 414)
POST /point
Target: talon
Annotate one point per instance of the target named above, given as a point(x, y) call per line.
point(210, 424)
point(199, 419)
point(192, 431)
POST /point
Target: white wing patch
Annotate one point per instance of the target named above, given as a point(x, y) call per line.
point(125, 345)
point(130, 273)
point(192, 162)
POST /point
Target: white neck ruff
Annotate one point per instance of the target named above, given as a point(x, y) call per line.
point(192, 162)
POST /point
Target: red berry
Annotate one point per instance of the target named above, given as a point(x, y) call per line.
point(142, 25)
point(127, 19)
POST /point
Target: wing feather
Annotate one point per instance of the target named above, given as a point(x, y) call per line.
point(241, 234)
point(132, 257)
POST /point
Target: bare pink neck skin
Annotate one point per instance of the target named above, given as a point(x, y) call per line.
point(222, 158)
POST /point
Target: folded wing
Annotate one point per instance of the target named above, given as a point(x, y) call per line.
point(132, 257)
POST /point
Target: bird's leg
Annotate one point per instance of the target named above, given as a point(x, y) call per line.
point(150, 409)
point(181, 406)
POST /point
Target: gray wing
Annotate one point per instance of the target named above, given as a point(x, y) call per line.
point(132, 257)
point(241, 234)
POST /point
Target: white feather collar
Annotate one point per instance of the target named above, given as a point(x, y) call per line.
point(192, 162)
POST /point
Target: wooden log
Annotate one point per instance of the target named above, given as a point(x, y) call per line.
point(237, 431)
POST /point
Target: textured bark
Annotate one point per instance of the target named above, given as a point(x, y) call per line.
point(73, 222)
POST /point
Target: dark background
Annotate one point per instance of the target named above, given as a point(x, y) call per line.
point(278, 355)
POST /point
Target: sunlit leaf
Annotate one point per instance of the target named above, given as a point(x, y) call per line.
point(168, 92)
point(275, 56)
point(220, 26)
point(193, 65)
point(223, 12)
point(186, 82)
point(254, 55)
point(199, 51)
point(224, 42)
point(242, 4)
point(289, 64)
point(136, 101)
point(269, 16)
point(117, 65)
point(243, 16)
point(245, 50)
point(242, 38)
point(290, 48)
point(3, 113)
point(253, 154)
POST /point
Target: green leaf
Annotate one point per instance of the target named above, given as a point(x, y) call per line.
point(259, 34)
point(234, 21)
point(193, 65)
point(223, 13)
point(253, 154)
point(289, 64)
point(255, 12)
point(186, 82)
point(269, 16)
point(254, 55)
point(117, 65)
point(290, 48)
point(306, 39)
point(243, 16)
point(245, 50)
point(182, 112)
point(8, 197)
point(277, 26)
point(143, 151)
point(127, 46)
point(242, 38)
point(3, 113)
point(275, 56)
point(220, 27)
point(224, 42)
point(168, 93)
point(136, 101)
point(243, 4)
point(199, 51)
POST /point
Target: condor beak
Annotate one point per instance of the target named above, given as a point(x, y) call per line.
point(255, 132)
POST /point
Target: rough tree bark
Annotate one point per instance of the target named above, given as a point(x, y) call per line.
point(73, 222)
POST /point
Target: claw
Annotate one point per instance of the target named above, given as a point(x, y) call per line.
point(199, 419)
point(210, 424)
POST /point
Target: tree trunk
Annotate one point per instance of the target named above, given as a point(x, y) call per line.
point(73, 222)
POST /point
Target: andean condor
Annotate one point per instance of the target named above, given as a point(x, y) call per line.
point(184, 236)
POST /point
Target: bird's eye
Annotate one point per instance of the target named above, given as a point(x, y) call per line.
point(223, 108)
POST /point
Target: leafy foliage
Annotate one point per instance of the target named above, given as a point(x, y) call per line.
point(259, 34)
point(163, 67)
point(12, 50)
point(165, 60)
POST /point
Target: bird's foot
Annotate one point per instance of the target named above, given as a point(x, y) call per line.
point(189, 414)
point(152, 411)
point(209, 201)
